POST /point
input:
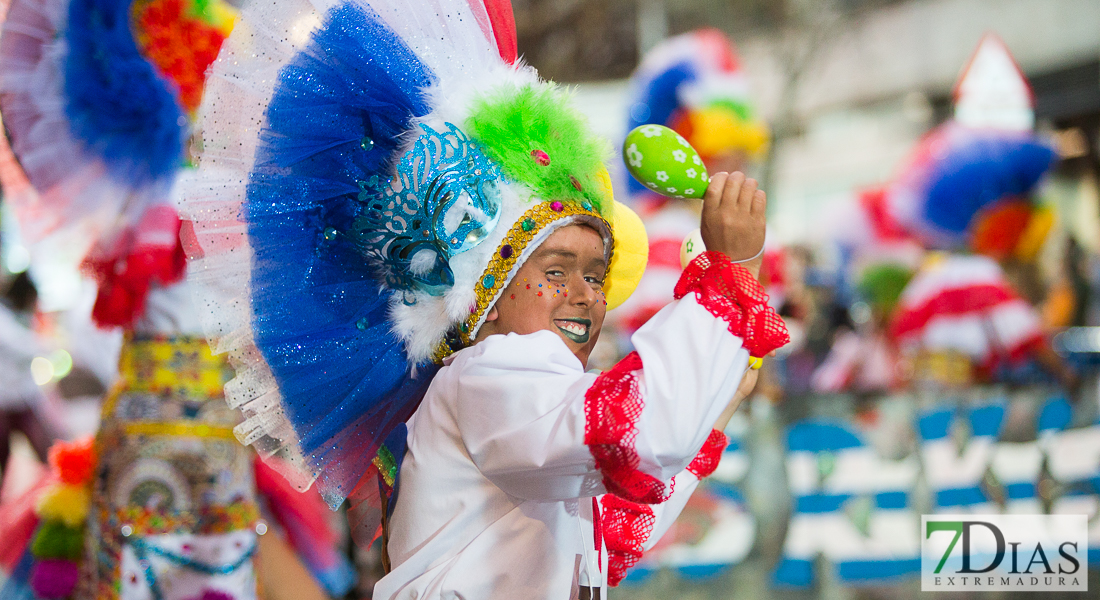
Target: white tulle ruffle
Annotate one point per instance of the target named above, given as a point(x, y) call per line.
point(452, 37)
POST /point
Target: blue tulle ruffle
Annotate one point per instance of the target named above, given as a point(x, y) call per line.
point(321, 319)
point(979, 172)
point(119, 108)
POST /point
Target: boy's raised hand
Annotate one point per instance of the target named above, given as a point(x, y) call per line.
point(733, 222)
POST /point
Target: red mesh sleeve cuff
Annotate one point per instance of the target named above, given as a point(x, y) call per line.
point(728, 291)
point(626, 528)
point(612, 407)
point(707, 460)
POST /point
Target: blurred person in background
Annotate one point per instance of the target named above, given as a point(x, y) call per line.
point(20, 397)
point(163, 502)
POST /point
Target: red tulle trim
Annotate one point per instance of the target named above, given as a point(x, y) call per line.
point(732, 294)
point(504, 29)
point(626, 526)
point(709, 456)
point(612, 407)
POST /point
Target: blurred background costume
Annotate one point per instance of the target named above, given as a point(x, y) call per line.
point(98, 99)
point(404, 169)
point(694, 84)
point(21, 401)
point(933, 251)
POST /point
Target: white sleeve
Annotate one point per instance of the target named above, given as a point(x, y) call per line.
point(692, 366)
point(520, 403)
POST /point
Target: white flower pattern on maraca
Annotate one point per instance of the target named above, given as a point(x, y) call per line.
point(680, 156)
point(634, 155)
point(662, 176)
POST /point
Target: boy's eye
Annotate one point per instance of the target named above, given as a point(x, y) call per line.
point(593, 280)
point(555, 273)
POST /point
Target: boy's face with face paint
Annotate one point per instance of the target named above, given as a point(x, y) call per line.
point(559, 288)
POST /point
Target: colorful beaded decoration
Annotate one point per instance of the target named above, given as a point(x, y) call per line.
point(179, 365)
point(501, 264)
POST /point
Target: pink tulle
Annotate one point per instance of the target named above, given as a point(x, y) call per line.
point(302, 515)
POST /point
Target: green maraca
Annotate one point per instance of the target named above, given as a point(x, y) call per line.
point(663, 161)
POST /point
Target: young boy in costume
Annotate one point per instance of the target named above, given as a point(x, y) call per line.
point(415, 246)
point(513, 438)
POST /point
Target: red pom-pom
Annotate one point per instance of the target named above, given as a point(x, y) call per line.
point(73, 462)
point(54, 578)
point(151, 253)
point(118, 306)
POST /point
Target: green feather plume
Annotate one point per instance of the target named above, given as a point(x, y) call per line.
point(512, 123)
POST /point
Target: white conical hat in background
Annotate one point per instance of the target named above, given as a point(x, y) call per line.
point(992, 91)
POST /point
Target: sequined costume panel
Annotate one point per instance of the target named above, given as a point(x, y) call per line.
point(174, 510)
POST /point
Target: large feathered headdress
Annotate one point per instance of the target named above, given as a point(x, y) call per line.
point(374, 173)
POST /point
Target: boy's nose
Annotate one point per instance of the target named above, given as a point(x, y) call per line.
point(581, 293)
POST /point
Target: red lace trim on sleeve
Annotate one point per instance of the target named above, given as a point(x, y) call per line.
point(728, 291)
point(626, 528)
point(612, 407)
point(707, 460)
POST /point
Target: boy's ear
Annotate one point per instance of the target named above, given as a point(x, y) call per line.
point(493, 314)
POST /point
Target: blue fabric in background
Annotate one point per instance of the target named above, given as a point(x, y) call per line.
point(120, 109)
point(322, 321)
point(980, 172)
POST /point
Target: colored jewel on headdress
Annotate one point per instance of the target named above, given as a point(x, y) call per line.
point(442, 201)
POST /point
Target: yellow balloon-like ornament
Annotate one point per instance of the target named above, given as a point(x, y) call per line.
point(629, 258)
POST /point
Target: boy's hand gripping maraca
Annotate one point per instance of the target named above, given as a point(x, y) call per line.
point(734, 209)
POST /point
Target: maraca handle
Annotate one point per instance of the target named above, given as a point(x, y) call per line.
point(664, 162)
